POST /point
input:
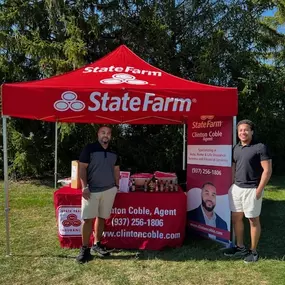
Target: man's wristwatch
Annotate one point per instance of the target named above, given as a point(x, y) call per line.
point(85, 188)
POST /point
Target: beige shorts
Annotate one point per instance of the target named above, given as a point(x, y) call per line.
point(244, 200)
point(99, 205)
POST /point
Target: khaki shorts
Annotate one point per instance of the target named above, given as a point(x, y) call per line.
point(99, 205)
point(244, 200)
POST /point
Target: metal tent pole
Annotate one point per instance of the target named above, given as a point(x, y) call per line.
point(184, 150)
point(234, 130)
point(6, 190)
point(234, 143)
point(55, 157)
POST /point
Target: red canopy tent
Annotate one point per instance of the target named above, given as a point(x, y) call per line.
point(118, 88)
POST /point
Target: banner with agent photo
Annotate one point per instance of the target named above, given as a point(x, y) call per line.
point(209, 176)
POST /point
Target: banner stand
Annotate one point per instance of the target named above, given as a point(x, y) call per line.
point(209, 177)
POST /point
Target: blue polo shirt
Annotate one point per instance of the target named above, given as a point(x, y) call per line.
point(100, 170)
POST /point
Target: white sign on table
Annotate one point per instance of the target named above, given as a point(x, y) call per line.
point(124, 181)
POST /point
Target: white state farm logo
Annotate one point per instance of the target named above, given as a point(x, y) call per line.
point(105, 102)
point(120, 69)
point(69, 101)
point(123, 78)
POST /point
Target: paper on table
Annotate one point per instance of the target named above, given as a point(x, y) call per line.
point(73, 172)
point(124, 181)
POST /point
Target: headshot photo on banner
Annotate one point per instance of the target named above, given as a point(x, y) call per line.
point(209, 177)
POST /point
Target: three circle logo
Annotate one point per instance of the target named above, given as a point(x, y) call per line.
point(69, 101)
point(71, 220)
point(123, 78)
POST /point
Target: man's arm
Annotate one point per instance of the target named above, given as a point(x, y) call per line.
point(233, 172)
point(117, 174)
point(266, 174)
point(83, 179)
point(83, 174)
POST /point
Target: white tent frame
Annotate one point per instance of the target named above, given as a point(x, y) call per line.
point(5, 158)
point(234, 143)
point(55, 154)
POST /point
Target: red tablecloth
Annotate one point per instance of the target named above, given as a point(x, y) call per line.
point(138, 221)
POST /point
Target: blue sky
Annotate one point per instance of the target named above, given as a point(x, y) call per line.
point(281, 29)
point(269, 12)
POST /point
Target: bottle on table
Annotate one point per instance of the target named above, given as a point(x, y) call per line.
point(145, 186)
point(176, 186)
point(133, 185)
point(166, 186)
point(161, 186)
point(156, 185)
point(151, 184)
point(171, 186)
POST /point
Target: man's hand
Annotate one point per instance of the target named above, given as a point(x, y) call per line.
point(258, 193)
point(86, 193)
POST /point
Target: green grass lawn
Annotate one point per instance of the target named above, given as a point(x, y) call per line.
point(38, 259)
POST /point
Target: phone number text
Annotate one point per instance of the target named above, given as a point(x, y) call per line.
point(137, 222)
point(206, 171)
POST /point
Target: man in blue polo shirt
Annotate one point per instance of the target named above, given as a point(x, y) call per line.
point(252, 168)
point(99, 173)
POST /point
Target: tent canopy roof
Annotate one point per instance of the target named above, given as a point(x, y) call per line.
point(118, 88)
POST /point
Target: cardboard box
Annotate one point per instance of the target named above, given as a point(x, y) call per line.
point(75, 180)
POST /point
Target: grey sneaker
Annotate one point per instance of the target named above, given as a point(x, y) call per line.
point(98, 248)
point(236, 251)
point(251, 257)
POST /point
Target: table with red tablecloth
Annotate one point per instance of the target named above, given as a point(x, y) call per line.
point(138, 220)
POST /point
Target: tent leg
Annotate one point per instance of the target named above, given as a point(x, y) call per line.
point(184, 151)
point(7, 209)
point(234, 143)
point(234, 130)
point(55, 157)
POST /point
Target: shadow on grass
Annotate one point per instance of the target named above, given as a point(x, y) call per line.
point(276, 183)
point(134, 255)
point(194, 248)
